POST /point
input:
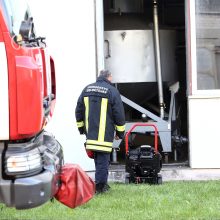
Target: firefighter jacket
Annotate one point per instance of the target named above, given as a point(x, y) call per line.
point(99, 113)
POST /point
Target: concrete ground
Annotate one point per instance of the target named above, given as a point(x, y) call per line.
point(169, 172)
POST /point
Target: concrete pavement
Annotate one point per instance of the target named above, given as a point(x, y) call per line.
point(169, 172)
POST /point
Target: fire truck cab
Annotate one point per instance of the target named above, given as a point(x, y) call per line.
point(30, 157)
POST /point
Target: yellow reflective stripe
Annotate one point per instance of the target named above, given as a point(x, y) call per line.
point(80, 124)
point(86, 102)
point(120, 128)
point(102, 122)
point(98, 148)
point(109, 144)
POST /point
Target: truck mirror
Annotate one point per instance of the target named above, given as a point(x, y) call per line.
point(27, 29)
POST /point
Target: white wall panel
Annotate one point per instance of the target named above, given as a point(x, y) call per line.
point(204, 132)
point(4, 105)
point(70, 32)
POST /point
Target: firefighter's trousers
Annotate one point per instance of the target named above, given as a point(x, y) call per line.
point(102, 161)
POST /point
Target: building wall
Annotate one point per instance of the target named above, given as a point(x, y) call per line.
point(204, 130)
point(203, 104)
point(70, 33)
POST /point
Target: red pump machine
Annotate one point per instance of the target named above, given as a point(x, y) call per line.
point(30, 158)
point(143, 163)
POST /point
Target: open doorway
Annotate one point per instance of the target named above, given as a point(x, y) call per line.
point(130, 53)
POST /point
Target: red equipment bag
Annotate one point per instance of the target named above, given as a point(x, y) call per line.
point(76, 187)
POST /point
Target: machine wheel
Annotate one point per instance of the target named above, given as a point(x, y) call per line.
point(127, 178)
point(159, 179)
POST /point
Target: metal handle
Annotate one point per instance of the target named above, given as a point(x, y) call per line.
point(142, 124)
point(108, 49)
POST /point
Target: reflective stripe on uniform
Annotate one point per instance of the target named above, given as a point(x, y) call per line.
point(109, 144)
point(120, 128)
point(80, 124)
point(98, 148)
point(102, 120)
point(86, 102)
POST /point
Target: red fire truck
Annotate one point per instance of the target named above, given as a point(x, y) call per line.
point(30, 157)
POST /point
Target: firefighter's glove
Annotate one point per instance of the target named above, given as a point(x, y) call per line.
point(119, 135)
point(116, 137)
point(81, 130)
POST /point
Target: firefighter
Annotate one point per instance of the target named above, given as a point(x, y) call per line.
point(100, 116)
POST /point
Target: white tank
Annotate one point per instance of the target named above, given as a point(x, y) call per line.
point(130, 56)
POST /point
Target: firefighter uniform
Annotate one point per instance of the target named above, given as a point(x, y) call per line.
point(100, 113)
